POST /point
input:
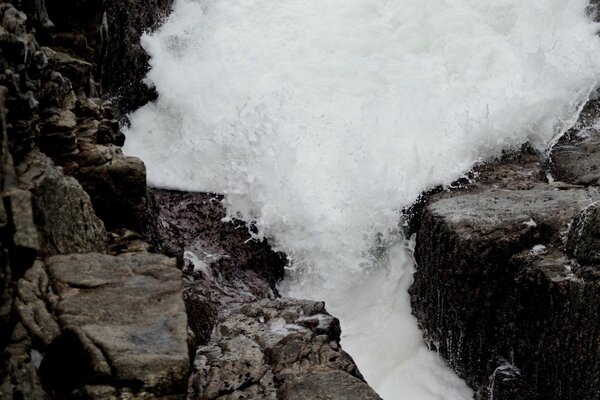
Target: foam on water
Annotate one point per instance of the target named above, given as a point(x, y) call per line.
point(319, 120)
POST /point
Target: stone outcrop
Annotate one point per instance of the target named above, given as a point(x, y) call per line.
point(507, 284)
point(80, 324)
point(123, 325)
point(252, 344)
point(277, 349)
point(221, 264)
point(106, 33)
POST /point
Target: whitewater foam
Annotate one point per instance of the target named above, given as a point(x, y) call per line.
point(320, 120)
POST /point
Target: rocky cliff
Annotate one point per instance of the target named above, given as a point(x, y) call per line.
point(110, 290)
point(507, 284)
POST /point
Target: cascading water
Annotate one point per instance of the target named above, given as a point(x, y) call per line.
point(319, 120)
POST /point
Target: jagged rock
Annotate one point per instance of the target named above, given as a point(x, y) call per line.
point(101, 33)
point(221, 263)
point(63, 213)
point(21, 380)
point(78, 71)
point(188, 221)
point(583, 242)
point(123, 324)
point(25, 235)
point(575, 158)
point(31, 307)
point(277, 349)
point(116, 184)
point(494, 291)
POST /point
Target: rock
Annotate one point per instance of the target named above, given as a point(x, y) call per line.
point(583, 241)
point(32, 309)
point(578, 161)
point(494, 292)
point(576, 157)
point(103, 34)
point(193, 222)
point(63, 212)
point(328, 385)
point(221, 264)
point(20, 379)
point(25, 235)
point(78, 71)
point(123, 324)
point(116, 184)
point(277, 349)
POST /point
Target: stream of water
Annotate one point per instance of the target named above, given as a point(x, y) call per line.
point(321, 120)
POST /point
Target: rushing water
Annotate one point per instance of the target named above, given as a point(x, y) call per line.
point(320, 120)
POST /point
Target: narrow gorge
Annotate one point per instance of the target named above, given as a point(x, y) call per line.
point(357, 199)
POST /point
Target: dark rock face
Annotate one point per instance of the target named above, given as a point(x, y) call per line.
point(277, 349)
point(81, 325)
point(583, 242)
point(106, 33)
point(252, 344)
point(221, 264)
point(496, 291)
point(576, 158)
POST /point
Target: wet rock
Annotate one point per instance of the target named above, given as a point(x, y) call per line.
point(78, 71)
point(583, 242)
point(62, 209)
point(578, 161)
point(277, 349)
point(193, 222)
point(221, 263)
point(123, 324)
point(575, 158)
point(496, 294)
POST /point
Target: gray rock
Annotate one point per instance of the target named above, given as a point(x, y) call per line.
point(31, 306)
point(63, 212)
point(326, 385)
point(494, 291)
point(277, 349)
point(123, 324)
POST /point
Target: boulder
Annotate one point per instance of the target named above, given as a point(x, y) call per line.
point(63, 213)
point(123, 324)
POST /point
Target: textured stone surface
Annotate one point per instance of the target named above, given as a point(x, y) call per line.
point(123, 323)
point(583, 242)
point(63, 212)
point(221, 263)
point(277, 349)
point(495, 292)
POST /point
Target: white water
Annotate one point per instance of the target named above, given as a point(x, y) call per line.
point(321, 119)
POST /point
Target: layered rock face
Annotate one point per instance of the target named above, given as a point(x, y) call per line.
point(507, 277)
